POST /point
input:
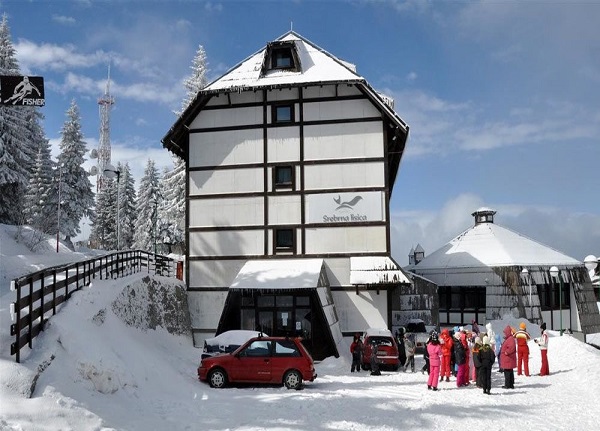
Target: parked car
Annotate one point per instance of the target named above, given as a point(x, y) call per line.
point(387, 349)
point(227, 342)
point(274, 360)
point(419, 332)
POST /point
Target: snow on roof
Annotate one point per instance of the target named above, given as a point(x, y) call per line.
point(279, 274)
point(375, 270)
point(488, 244)
point(317, 65)
point(235, 337)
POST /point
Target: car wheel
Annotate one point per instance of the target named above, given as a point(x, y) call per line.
point(292, 380)
point(217, 378)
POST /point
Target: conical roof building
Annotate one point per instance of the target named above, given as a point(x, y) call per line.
point(489, 271)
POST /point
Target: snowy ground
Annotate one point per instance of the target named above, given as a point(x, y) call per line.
point(101, 374)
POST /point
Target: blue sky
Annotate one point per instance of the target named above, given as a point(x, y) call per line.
point(501, 97)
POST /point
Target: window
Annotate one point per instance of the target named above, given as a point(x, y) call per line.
point(282, 58)
point(284, 240)
point(283, 177)
point(257, 348)
point(286, 348)
point(281, 55)
point(283, 113)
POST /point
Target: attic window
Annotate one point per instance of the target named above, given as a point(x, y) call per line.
point(281, 56)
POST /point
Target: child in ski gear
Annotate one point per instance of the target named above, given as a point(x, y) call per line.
point(522, 337)
point(401, 348)
point(375, 361)
point(486, 358)
point(542, 342)
point(446, 345)
point(460, 358)
point(426, 355)
point(476, 363)
point(356, 350)
point(434, 351)
point(508, 358)
point(409, 346)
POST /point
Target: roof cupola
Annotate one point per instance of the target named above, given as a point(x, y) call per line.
point(484, 215)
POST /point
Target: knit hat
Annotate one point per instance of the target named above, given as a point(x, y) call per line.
point(486, 340)
point(543, 326)
point(522, 326)
point(477, 340)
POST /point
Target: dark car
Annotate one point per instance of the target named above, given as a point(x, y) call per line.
point(272, 360)
point(387, 349)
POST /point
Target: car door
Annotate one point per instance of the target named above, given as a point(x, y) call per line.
point(252, 363)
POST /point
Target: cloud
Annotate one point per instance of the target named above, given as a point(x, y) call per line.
point(46, 56)
point(65, 20)
point(575, 234)
point(442, 127)
point(213, 7)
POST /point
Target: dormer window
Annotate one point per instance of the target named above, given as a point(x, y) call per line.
point(281, 56)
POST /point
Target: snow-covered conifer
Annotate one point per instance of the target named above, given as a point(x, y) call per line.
point(77, 197)
point(40, 211)
point(128, 209)
point(148, 201)
point(197, 80)
point(18, 139)
point(172, 212)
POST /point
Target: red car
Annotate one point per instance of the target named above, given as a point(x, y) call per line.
point(274, 360)
point(387, 349)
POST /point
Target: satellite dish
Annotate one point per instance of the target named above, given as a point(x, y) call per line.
point(94, 154)
point(93, 170)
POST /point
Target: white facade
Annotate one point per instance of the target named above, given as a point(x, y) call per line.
point(288, 163)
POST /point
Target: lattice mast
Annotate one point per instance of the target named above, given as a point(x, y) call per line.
point(105, 104)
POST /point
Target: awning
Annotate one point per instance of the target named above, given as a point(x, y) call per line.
point(280, 274)
point(373, 270)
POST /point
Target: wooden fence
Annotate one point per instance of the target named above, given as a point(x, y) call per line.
point(42, 292)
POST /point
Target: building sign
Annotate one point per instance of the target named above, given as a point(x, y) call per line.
point(345, 207)
point(22, 91)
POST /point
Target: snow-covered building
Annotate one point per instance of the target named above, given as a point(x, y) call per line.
point(291, 161)
point(489, 271)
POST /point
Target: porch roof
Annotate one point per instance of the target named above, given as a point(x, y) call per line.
point(279, 274)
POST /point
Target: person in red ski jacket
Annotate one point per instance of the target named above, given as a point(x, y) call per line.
point(522, 337)
point(446, 345)
point(356, 349)
point(508, 358)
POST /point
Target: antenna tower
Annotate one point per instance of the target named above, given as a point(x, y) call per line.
point(105, 104)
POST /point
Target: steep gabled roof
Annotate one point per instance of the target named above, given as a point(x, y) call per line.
point(316, 66)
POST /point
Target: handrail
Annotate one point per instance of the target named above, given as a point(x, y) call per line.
point(41, 292)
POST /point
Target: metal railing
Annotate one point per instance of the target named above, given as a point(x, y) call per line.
point(40, 293)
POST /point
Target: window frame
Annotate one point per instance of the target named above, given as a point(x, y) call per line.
point(281, 248)
point(291, 185)
point(275, 118)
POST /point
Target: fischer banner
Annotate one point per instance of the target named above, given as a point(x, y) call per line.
point(22, 90)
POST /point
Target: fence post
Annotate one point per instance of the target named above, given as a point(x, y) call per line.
point(54, 292)
point(43, 294)
point(29, 337)
point(18, 323)
point(66, 283)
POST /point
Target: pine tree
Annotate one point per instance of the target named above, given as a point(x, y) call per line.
point(76, 195)
point(197, 80)
point(104, 228)
point(172, 213)
point(148, 201)
point(127, 209)
point(39, 210)
point(19, 134)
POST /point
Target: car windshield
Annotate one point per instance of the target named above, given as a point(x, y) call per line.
point(381, 341)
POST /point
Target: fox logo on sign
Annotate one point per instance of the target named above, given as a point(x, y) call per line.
point(22, 90)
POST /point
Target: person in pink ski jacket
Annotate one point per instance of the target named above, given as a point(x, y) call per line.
point(435, 360)
point(508, 358)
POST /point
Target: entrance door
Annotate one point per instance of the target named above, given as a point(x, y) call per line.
point(285, 323)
